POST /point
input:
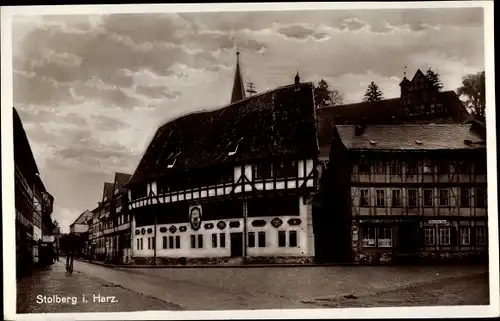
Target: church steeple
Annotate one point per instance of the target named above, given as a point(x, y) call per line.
point(238, 87)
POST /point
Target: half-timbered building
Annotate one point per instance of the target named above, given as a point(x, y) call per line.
point(33, 204)
point(230, 183)
point(409, 191)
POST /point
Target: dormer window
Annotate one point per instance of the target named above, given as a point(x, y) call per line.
point(418, 142)
point(372, 142)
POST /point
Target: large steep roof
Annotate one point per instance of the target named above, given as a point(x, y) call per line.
point(275, 123)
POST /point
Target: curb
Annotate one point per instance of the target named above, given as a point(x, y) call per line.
point(217, 266)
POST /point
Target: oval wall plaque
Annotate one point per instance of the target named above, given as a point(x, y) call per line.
point(172, 229)
point(163, 229)
point(276, 222)
point(137, 232)
point(294, 221)
point(258, 223)
point(209, 226)
point(182, 229)
point(143, 231)
point(221, 225)
point(195, 218)
point(234, 224)
point(150, 230)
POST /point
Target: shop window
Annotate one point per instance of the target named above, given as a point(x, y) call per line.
point(380, 198)
point(142, 243)
point(293, 239)
point(214, 240)
point(430, 236)
point(396, 198)
point(364, 166)
point(412, 198)
point(464, 197)
point(200, 241)
point(222, 240)
point(251, 239)
point(177, 242)
point(364, 199)
point(428, 196)
point(281, 238)
point(465, 236)
point(368, 236)
point(171, 241)
point(262, 239)
point(480, 198)
point(193, 241)
point(384, 237)
point(444, 236)
point(480, 235)
point(444, 197)
point(396, 167)
point(164, 242)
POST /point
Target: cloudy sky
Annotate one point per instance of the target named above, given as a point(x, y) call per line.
point(92, 90)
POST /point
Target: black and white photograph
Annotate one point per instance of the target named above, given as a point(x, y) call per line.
point(249, 160)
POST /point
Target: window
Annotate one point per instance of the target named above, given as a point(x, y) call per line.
point(200, 241)
point(444, 236)
point(480, 235)
point(149, 243)
point(464, 197)
point(411, 168)
point(171, 242)
point(263, 171)
point(153, 241)
point(281, 238)
point(222, 240)
point(142, 244)
point(251, 239)
point(368, 236)
point(380, 198)
point(480, 198)
point(214, 240)
point(480, 167)
point(138, 247)
point(444, 197)
point(285, 169)
point(364, 198)
point(427, 167)
point(177, 242)
point(364, 166)
point(193, 241)
point(262, 239)
point(396, 167)
point(384, 237)
point(463, 167)
point(396, 197)
point(412, 198)
point(380, 167)
point(465, 236)
point(428, 198)
point(443, 167)
point(430, 236)
point(293, 239)
point(164, 242)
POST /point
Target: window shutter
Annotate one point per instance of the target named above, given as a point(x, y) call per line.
point(453, 236)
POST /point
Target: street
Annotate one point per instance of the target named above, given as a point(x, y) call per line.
point(94, 288)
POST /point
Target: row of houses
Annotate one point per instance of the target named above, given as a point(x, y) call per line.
point(35, 230)
point(271, 178)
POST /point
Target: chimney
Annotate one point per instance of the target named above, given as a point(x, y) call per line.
point(297, 81)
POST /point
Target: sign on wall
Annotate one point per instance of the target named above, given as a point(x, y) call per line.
point(195, 217)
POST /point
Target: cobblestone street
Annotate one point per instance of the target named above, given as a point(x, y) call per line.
point(144, 289)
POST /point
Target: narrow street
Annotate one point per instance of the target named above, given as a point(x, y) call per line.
point(136, 289)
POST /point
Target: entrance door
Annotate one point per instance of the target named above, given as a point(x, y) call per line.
point(408, 238)
point(236, 244)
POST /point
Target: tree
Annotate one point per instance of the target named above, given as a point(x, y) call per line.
point(434, 79)
point(373, 93)
point(55, 223)
point(473, 89)
point(326, 97)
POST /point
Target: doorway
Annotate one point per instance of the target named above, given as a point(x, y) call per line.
point(408, 238)
point(236, 244)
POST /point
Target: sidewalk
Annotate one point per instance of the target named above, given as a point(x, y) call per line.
point(54, 290)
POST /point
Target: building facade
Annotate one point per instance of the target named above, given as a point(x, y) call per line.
point(234, 184)
point(33, 206)
point(413, 191)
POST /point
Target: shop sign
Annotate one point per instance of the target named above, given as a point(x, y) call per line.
point(276, 222)
point(437, 222)
point(172, 229)
point(381, 221)
point(221, 225)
